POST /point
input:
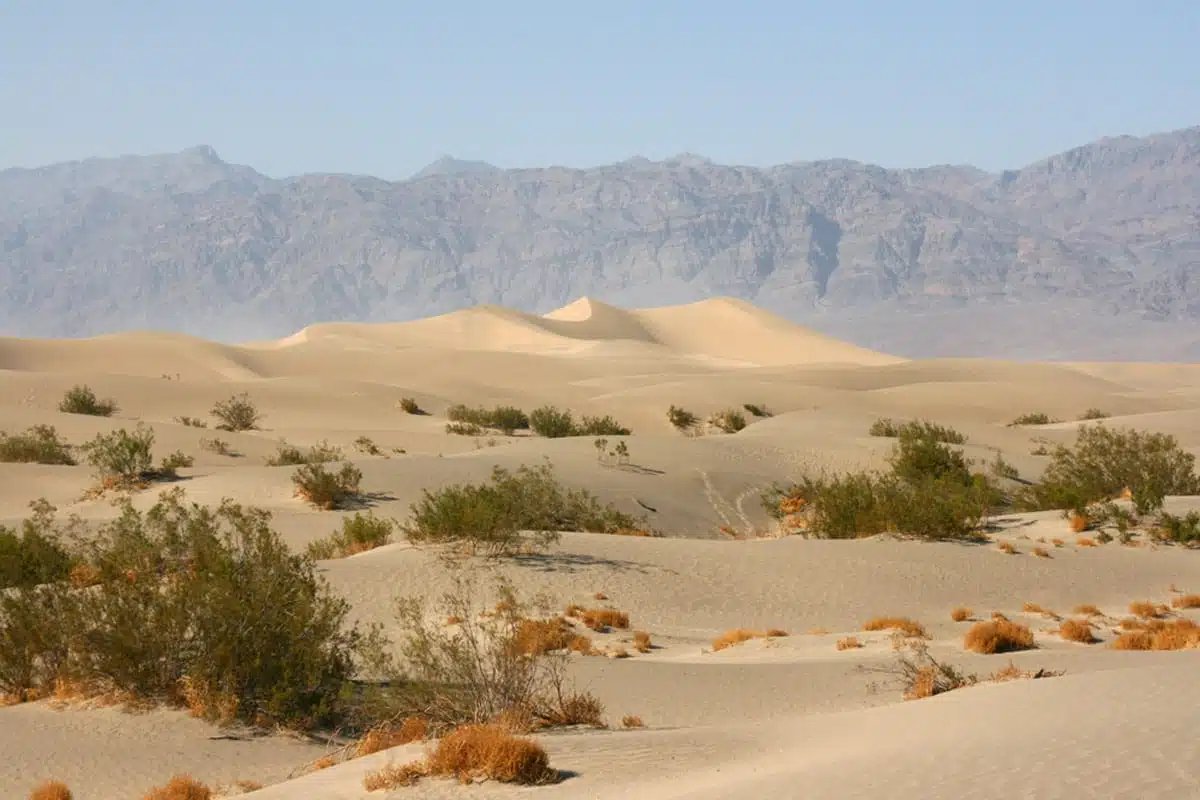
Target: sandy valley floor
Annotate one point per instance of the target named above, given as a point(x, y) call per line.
point(786, 717)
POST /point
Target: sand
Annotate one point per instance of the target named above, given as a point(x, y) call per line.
point(786, 717)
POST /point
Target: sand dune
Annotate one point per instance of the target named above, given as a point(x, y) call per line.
point(788, 717)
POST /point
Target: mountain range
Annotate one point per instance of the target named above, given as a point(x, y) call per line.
point(1093, 253)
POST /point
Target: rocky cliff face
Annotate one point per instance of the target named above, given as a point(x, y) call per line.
point(186, 241)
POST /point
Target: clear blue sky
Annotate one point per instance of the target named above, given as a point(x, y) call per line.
point(386, 87)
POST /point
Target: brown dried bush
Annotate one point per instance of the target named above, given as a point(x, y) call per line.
point(738, 635)
point(630, 721)
point(906, 626)
point(1146, 609)
point(998, 636)
point(1179, 634)
point(181, 787)
point(1087, 609)
point(51, 790)
point(641, 642)
point(1186, 601)
point(848, 643)
point(960, 614)
point(1077, 630)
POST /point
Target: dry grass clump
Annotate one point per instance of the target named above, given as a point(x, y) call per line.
point(1057, 542)
point(1034, 608)
point(599, 619)
point(998, 636)
point(1147, 610)
point(1087, 609)
point(905, 625)
point(413, 729)
point(848, 643)
point(960, 614)
point(181, 787)
point(630, 721)
point(1077, 630)
point(738, 635)
point(1179, 634)
point(1006, 547)
point(535, 637)
point(51, 790)
point(1041, 552)
point(473, 752)
point(1084, 541)
point(1186, 601)
point(641, 642)
point(1013, 673)
point(1079, 523)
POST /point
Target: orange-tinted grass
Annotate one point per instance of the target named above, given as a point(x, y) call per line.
point(599, 619)
point(181, 787)
point(738, 635)
point(1034, 608)
point(998, 636)
point(903, 624)
point(1084, 541)
point(1079, 523)
point(1077, 630)
point(51, 790)
point(490, 751)
point(1179, 634)
point(630, 721)
point(641, 641)
point(1006, 547)
point(849, 643)
point(1087, 609)
point(1186, 601)
point(960, 614)
point(412, 729)
point(1057, 542)
point(1041, 552)
point(1144, 608)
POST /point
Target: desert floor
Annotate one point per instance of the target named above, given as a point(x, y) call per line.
point(785, 717)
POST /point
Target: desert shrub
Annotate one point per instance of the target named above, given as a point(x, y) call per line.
point(191, 422)
point(1077, 630)
point(918, 457)
point(36, 554)
point(51, 790)
point(324, 488)
point(37, 445)
point(485, 669)
point(757, 410)
point(682, 419)
point(630, 721)
point(729, 421)
point(175, 461)
point(409, 406)
point(1186, 601)
point(736, 636)
point(366, 445)
point(238, 413)
point(552, 422)
point(122, 456)
point(884, 427)
point(82, 400)
point(203, 607)
point(218, 446)
point(600, 426)
point(1183, 530)
point(916, 429)
point(465, 429)
point(506, 419)
point(180, 787)
point(1093, 414)
point(1033, 418)
point(907, 627)
point(919, 675)
point(493, 516)
point(1104, 462)
point(1178, 634)
point(359, 533)
point(287, 455)
point(998, 636)
point(469, 754)
point(960, 614)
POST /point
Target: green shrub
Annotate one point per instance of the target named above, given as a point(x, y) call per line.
point(367, 446)
point(682, 419)
point(730, 420)
point(600, 426)
point(1183, 530)
point(465, 429)
point(37, 445)
point(325, 489)
point(505, 419)
point(1035, 418)
point(191, 422)
point(82, 400)
point(287, 455)
point(409, 406)
point(238, 413)
point(918, 428)
point(35, 555)
point(552, 423)
point(218, 446)
point(193, 606)
point(175, 461)
point(922, 455)
point(122, 457)
point(1094, 414)
point(493, 516)
point(1105, 461)
point(359, 534)
point(757, 410)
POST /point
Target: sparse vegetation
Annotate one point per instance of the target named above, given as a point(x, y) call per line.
point(629, 721)
point(180, 787)
point(51, 790)
point(998, 636)
point(960, 614)
point(1184, 530)
point(409, 406)
point(465, 429)
point(176, 461)
point(1087, 609)
point(359, 533)
point(736, 636)
point(122, 459)
point(218, 446)
point(191, 422)
point(367, 446)
point(757, 410)
point(36, 554)
point(1034, 418)
point(682, 419)
point(287, 455)
point(238, 413)
point(1178, 634)
point(906, 626)
point(1094, 414)
point(506, 419)
point(916, 429)
point(552, 422)
point(848, 643)
point(82, 400)
point(1186, 601)
point(728, 421)
point(600, 426)
point(1077, 630)
point(191, 606)
point(327, 489)
point(1041, 552)
point(494, 516)
point(37, 445)
point(471, 753)
point(920, 675)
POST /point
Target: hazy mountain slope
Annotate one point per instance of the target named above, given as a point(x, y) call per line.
point(188, 242)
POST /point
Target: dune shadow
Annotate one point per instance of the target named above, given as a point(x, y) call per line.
point(575, 562)
point(365, 500)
